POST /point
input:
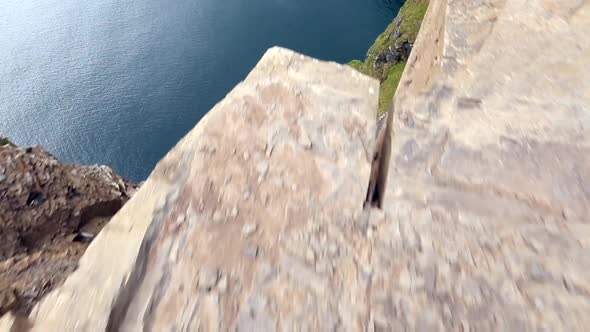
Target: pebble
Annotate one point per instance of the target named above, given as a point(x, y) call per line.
point(249, 229)
point(280, 183)
point(333, 249)
point(2, 177)
point(87, 235)
point(227, 180)
point(367, 270)
point(246, 195)
point(262, 168)
point(304, 141)
point(222, 285)
point(208, 278)
point(234, 212)
point(246, 155)
point(269, 149)
point(250, 251)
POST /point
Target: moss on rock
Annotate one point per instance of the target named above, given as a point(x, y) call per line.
point(387, 57)
point(5, 141)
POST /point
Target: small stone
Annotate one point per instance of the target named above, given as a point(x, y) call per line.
point(250, 251)
point(87, 235)
point(234, 212)
point(246, 155)
point(262, 168)
point(208, 278)
point(246, 195)
point(280, 183)
point(367, 270)
point(83, 237)
point(304, 141)
point(269, 149)
point(310, 256)
point(2, 177)
point(227, 180)
point(222, 285)
point(333, 249)
point(538, 273)
point(217, 216)
point(376, 217)
point(249, 229)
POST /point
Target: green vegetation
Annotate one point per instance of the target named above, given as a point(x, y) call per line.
point(388, 87)
point(5, 141)
point(403, 29)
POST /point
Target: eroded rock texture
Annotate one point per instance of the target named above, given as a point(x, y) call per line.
point(487, 200)
point(49, 211)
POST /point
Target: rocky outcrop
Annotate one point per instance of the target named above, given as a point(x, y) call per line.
point(49, 212)
point(230, 212)
point(263, 218)
point(393, 55)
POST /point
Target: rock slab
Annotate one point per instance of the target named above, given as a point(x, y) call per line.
point(288, 150)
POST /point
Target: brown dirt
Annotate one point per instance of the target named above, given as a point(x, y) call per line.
point(49, 213)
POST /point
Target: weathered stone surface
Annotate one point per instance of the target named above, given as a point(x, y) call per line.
point(48, 212)
point(487, 201)
point(195, 268)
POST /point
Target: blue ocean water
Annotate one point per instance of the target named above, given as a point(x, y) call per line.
point(119, 82)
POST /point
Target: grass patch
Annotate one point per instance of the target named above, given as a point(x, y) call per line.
point(388, 87)
point(5, 141)
point(406, 24)
point(364, 67)
point(404, 28)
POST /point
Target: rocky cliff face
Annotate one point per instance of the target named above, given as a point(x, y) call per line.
point(49, 212)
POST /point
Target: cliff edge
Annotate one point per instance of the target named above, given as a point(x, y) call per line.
point(49, 212)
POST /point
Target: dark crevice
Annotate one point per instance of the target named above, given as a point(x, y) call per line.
point(379, 167)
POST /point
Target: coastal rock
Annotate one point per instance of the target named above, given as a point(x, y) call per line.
point(49, 212)
point(392, 55)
